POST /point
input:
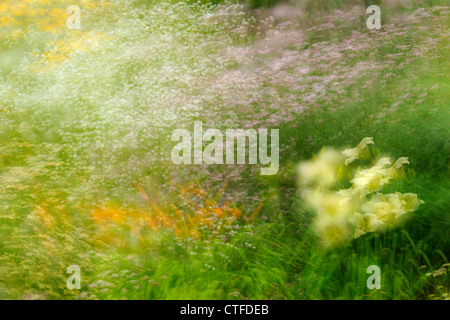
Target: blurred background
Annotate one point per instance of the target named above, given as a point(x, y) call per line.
point(86, 118)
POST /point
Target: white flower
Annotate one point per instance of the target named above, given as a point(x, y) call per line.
point(323, 170)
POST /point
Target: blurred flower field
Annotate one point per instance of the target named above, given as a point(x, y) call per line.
point(86, 177)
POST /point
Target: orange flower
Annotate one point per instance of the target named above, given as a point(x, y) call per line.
point(207, 221)
point(235, 212)
point(195, 234)
point(153, 225)
point(104, 215)
point(218, 212)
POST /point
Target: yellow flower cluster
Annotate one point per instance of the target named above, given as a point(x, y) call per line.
point(41, 17)
point(346, 213)
point(62, 50)
point(46, 15)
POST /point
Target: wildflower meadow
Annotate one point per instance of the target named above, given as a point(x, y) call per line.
point(231, 150)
